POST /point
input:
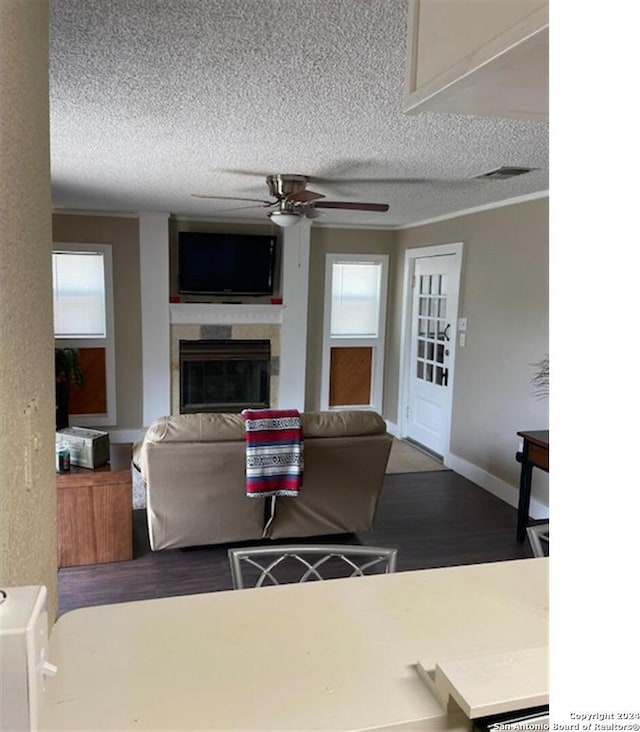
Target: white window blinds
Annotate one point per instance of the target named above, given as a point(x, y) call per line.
point(355, 299)
point(79, 307)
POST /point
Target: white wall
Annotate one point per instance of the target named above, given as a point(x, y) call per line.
point(154, 300)
point(293, 336)
point(505, 298)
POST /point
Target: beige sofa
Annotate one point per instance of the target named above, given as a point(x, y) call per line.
point(194, 469)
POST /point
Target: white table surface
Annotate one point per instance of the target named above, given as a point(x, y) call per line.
point(334, 655)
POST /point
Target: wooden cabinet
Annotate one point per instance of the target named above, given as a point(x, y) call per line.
point(95, 518)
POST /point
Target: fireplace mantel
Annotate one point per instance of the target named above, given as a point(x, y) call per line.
point(196, 313)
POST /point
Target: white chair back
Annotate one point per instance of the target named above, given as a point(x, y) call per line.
point(274, 565)
point(538, 536)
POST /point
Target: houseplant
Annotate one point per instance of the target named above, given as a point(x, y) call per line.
point(540, 378)
point(68, 372)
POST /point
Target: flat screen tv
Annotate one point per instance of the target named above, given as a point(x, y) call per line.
point(225, 264)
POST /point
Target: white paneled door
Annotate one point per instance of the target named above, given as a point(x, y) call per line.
point(432, 347)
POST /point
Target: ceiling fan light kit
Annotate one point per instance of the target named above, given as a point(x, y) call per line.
point(285, 218)
point(294, 201)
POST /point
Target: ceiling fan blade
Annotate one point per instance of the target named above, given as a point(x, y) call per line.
point(235, 171)
point(311, 213)
point(365, 181)
point(237, 208)
point(234, 198)
point(352, 205)
point(304, 196)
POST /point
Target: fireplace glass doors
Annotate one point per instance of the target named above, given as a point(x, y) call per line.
point(224, 375)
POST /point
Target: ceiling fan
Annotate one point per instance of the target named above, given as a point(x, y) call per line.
point(293, 201)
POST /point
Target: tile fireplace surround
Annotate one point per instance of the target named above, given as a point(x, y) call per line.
point(209, 321)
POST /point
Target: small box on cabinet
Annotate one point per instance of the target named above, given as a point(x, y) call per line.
point(88, 448)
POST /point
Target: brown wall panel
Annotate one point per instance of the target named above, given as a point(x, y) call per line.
point(350, 376)
point(91, 398)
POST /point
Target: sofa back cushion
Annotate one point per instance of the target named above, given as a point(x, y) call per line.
point(197, 428)
point(230, 427)
point(343, 477)
point(352, 423)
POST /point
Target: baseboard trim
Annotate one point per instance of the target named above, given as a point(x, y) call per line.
point(393, 429)
point(494, 485)
point(117, 437)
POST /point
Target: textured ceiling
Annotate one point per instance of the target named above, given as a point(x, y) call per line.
point(152, 100)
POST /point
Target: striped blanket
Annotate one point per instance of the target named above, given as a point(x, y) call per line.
point(275, 452)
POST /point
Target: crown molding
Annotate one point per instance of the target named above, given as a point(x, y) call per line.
point(180, 218)
point(366, 227)
point(477, 209)
point(88, 212)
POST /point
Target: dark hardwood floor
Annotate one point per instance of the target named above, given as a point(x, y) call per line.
point(434, 519)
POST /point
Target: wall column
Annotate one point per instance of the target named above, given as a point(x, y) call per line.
point(28, 554)
point(295, 291)
point(154, 301)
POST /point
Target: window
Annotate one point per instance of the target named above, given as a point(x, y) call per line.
point(355, 299)
point(83, 319)
point(79, 298)
point(353, 350)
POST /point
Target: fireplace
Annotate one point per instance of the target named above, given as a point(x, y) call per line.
point(224, 375)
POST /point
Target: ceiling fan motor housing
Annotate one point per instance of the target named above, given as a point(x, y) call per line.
point(281, 186)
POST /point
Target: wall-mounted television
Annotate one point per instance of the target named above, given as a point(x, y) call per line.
point(225, 264)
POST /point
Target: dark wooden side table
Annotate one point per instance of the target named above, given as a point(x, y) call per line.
point(535, 454)
point(95, 515)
